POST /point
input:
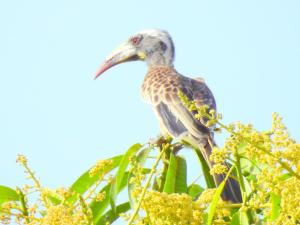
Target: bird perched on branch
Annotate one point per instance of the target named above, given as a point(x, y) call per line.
point(160, 88)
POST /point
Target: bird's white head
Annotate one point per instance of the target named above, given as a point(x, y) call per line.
point(154, 46)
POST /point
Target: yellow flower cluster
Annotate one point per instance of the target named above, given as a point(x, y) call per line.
point(101, 166)
point(267, 164)
point(64, 192)
point(218, 156)
point(218, 169)
point(137, 177)
point(278, 158)
point(179, 209)
point(273, 163)
point(100, 196)
point(61, 215)
point(52, 207)
point(169, 209)
point(21, 159)
point(6, 209)
point(290, 201)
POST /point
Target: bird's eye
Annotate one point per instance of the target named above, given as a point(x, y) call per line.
point(135, 40)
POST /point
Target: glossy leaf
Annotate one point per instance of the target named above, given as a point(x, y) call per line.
point(85, 181)
point(8, 194)
point(276, 200)
point(123, 166)
point(181, 176)
point(194, 190)
point(248, 188)
point(109, 217)
point(213, 205)
point(98, 207)
point(53, 197)
point(176, 176)
point(205, 169)
point(240, 218)
point(116, 185)
point(170, 181)
point(216, 198)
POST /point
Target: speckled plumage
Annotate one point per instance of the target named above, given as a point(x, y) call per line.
point(160, 89)
point(161, 84)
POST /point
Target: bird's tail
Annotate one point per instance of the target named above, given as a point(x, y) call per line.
point(231, 191)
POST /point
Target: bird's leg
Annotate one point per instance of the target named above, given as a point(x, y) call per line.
point(177, 147)
point(159, 141)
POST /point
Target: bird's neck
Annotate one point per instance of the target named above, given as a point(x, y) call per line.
point(156, 59)
point(159, 71)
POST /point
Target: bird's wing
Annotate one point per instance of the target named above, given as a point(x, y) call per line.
point(175, 116)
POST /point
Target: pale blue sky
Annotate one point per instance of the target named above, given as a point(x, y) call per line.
point(54, 113)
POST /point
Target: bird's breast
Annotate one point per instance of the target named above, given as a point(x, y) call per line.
point(160, 84)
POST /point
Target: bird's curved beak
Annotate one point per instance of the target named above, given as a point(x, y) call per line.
point(123, 53)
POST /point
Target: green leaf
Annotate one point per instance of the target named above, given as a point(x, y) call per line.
point(116, 185)
point(141, 159)
point(247, 187)
point(181, 174)
point(122, 167)
point(276, 200)
point(194, 190)
point(210, 183)
point(285, 176)
point(213, 204)
point(170, 181)
point(176, 176)
point(99, 207)
point(110, 216)
point(8, 194)
point(85, 181)
point(240, 218)
point(216, 198)
point(54, 198)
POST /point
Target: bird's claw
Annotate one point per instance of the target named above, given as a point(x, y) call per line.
point(176, 148)
point(159, 141)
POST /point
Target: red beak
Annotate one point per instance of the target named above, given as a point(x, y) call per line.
point(105, 66)
point(122, 54)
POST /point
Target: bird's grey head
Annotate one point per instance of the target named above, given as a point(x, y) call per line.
point(154, 46)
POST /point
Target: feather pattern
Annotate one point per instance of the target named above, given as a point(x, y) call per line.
point(160, 89)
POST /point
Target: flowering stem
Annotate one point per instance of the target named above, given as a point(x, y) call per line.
point(36, 182)
point(23, 204)
point(93, 190)
point(283, 164)
point(203, 113)
point(240, 177)
point(153, 170)
point(85, 209)
point(232, 206)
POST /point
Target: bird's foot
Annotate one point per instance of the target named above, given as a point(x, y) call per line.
point(176, 148)
point(159, 141)
point(156, 141)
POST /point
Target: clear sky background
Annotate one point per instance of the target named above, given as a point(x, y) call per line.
point(63, 121)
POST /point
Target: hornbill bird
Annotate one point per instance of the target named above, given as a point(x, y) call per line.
point(160, 88)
